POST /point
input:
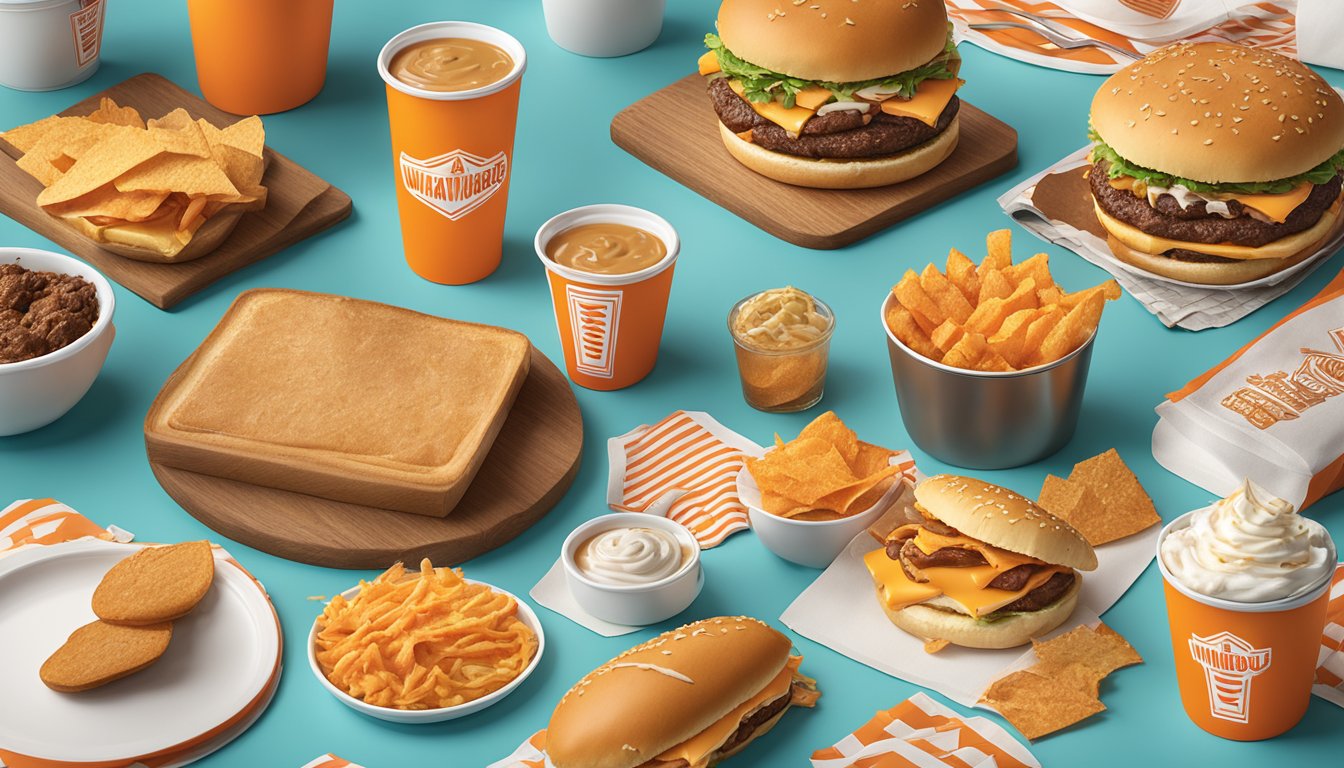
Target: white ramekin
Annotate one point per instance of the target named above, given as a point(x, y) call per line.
point(634, 605)
point(49, 44)
point(416, 716)
point(34, 393)
point(813, 543)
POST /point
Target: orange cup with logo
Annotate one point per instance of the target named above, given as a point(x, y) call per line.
point(256, 57)
point(1244, 670)
point(610, 322)
point(452, 143)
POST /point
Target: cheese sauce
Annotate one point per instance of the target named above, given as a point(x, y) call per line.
point(451, 64)
point(606, 249)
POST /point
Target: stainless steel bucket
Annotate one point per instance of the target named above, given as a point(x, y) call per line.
point(987, 420)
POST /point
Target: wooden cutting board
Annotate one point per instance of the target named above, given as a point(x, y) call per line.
point(676, 132)
point(298, 206)
point(529, 468)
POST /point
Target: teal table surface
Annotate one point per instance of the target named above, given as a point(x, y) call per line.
point(93, 459)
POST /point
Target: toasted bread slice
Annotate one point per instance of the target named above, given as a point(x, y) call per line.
point(98, 653)
point(156, 584)
point(340, 398)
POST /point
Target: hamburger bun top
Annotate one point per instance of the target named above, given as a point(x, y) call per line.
point(1001, 518)
point(659, 694)
point(1219, 113)
point(838, 41)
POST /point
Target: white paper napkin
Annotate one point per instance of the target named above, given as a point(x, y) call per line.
point(1320, 26)
point(553, 593)
point(840, 610)
point(1183, 306)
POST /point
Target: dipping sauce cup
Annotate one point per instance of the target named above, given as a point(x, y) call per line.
point(452, 157)
point(783, 372)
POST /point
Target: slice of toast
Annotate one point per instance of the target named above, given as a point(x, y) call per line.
point(340, 398)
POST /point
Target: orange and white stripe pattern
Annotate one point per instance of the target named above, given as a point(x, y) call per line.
point(1330, 664)
point(331, 761)
point(1262, 25)
point(530, 754)
point(921, 733)
point(683, 468)
point(41, 522)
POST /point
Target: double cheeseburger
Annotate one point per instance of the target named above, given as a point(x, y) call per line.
point(985, 568)
point(688, 698)
point(1216, 163)
point(837, 94)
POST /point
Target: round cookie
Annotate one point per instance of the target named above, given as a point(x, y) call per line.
point(156, 584)
point(98, 653)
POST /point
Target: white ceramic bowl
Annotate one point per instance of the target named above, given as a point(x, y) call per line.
point(414, 716)
point(634, 605)
point(603, 28)
point(34, 393)
point(813, 543)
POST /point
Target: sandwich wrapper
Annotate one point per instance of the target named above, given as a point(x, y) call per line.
point(331, 761)
point(1330, 664)
point(683, 468)
point(1056, 205)
point(840, 611)
point(1273, 411)
point(1141, 26)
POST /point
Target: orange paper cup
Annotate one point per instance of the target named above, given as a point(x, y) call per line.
point(610, 325)
point(1244, 670)
point(256, 57)
point(452, 154)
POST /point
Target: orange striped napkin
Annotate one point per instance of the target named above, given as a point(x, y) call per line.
point(331, 761)
point(529, 754)
point(683, 468)
point(1330, 664)
point(39, 522)
point(1264, 25)
point(921, 733)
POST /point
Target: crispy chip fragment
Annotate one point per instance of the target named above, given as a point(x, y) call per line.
point(1037, 705)
point(1101, 650)
point(1102, 498)
point(908, 331)
point(999, 250)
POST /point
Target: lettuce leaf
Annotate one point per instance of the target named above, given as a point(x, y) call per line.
point(1119, 166)
point(761, 85)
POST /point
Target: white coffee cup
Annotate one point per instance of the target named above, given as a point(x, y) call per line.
point(603, 28)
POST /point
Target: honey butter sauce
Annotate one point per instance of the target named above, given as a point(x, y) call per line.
point(606, 249)
point(623, 556)
point(451, 64)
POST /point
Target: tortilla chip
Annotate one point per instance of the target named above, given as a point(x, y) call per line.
point(1124, 507)
point(1038, 705)
point(1101, 650)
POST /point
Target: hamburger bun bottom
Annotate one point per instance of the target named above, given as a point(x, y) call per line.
point(843, 174)
point(964, 630)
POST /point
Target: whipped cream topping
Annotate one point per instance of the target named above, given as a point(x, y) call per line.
point(630, 556)
point(1250, 547)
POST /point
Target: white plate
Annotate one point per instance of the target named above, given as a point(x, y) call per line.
point(525, 614)
point(221, 658)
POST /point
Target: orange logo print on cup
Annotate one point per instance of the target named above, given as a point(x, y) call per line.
point(1230, 665)
point(456, 183)
point(594, 315)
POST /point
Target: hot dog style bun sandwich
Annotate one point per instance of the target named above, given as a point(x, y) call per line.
point(1216, 163)
point(688, 698)
point(837, 94)
point(985, 568)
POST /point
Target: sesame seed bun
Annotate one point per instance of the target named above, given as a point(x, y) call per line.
point(625, 713)
point(999, 517)
point(927, 622)
point(838, 41)
point(1220, 113)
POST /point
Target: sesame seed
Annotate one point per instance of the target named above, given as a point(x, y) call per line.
point(1207, 142)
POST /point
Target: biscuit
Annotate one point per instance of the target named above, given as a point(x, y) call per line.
point(156, 584)
point(98, 653)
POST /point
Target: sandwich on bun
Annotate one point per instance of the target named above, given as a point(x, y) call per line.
point(688, 698)
point(1216, 163)
point(836, 94)
point(985, 568)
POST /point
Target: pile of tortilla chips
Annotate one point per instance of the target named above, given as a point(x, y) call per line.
point(826, 473)
point(152, 185)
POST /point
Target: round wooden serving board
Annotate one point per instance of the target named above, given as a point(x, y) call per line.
point(531, 465)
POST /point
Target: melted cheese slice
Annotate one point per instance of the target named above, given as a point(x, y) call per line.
point(1275, 206)
point(791, 119)
point(999, 560)
point(709, 63)
point(930, 99)
point(699, 748)
point(964, 585)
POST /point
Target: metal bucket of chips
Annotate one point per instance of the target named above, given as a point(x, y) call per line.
point(987, 419)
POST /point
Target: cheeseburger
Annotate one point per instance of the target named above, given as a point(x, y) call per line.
point(838, 94)
point(688, 698)
point(1216, 163)
point(985, 568)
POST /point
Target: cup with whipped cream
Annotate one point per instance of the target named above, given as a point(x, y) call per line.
point(632, 568)
point(1247, 582)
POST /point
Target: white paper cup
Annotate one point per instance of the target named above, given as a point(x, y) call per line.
point(603, 28)
point(634, 605)
point(49, 44)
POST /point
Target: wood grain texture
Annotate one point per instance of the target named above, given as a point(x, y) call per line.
point(529, 468)
point(299, 205)
point(675, 131)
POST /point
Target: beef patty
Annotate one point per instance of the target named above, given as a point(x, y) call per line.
point(744, 731)
point(839, 135)
point(1196, 225)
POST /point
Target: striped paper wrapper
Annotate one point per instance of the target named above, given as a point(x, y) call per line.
point(529, 754)
point(331, 761)
point(1330, 664)
point(42, 522)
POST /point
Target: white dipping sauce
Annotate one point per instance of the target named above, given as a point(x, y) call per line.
point(624, 556)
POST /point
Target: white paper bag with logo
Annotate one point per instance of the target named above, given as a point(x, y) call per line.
point(1272, 412)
